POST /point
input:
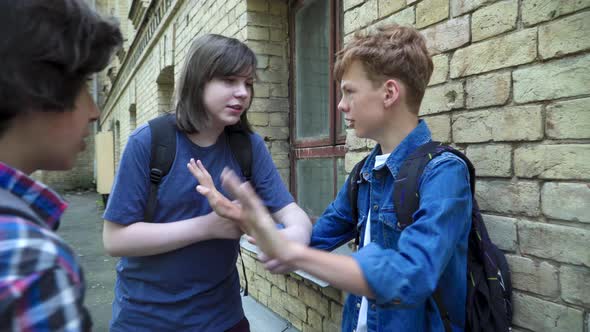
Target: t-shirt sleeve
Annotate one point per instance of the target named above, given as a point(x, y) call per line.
point(128, 196)
point(266, 178)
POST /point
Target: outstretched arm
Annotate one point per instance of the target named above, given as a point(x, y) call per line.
point(341, 271)
point(296, 221)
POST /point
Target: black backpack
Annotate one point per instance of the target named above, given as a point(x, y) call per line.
point(489, 288)
point(163, 152)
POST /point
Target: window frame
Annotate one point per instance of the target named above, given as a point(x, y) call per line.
point(332, 146)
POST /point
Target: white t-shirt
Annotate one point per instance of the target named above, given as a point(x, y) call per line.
point(362, 322)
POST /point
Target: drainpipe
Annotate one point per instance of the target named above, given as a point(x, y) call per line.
point(96, 127)
point(95, 78)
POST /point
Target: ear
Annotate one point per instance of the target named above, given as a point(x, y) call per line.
point(392, 92)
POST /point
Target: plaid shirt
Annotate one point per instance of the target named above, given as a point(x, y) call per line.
point(41, 283)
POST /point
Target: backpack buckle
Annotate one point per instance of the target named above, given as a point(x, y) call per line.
point(156, 175)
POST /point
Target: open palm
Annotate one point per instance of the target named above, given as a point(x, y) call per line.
point(219, 203)
point(255, 219)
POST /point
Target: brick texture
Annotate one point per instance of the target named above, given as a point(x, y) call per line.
point(510, 88)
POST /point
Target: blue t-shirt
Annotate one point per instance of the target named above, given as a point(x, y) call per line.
point(196, 287)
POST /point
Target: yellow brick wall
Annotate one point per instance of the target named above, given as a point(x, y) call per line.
point(510, 88)
point(305, 304)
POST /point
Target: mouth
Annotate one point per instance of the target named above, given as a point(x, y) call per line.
point(83, 143)
point(236, 108)
point(349, 123)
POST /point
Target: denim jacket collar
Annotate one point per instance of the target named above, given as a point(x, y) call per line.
point(419, 136)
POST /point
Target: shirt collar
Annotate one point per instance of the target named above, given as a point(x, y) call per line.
point(47, 203)
point(419, 136)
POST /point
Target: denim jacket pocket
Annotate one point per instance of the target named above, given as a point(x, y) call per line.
point(389, 227)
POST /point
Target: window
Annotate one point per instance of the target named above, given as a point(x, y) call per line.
point(318, 133)
point(165, 81)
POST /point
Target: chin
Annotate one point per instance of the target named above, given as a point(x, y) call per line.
point(63, 164)
point(359, 133)
point(232, 121)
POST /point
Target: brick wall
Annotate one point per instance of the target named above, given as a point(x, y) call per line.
point(266, 33)
point(307, 303)
point(509, 88)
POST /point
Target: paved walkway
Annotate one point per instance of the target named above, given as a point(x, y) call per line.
point(81, 227)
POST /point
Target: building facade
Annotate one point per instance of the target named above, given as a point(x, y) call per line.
point(510, 88)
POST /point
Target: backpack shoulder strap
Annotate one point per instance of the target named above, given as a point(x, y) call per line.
point(353, 192)
point(241, 147)
point(13, 205)
point(405, 195)
point(163, 152)
point(407, 199)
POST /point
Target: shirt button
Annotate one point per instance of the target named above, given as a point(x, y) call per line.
point(358, 305)
point(375, 207)
point(373, 306)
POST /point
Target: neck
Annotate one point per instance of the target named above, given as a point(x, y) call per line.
point(396, 130)
point(206, 137)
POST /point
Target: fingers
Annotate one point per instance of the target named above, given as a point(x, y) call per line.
point(243, 192)
point(203, 190)
point(200, 172)
point(202, 168)
point(250, 239)
point(272, 264)
point(262, 257)
point(230, 181)
point(206, 186)
point(192, 167)
point(281, 269)
point(276, 267)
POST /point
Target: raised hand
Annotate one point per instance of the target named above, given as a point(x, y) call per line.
point(219, 203)
point(255, 218)
point(273, 265)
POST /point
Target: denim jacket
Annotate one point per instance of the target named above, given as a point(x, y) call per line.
point(403, 268)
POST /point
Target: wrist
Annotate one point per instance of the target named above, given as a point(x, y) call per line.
point(206, 226)
point(293, 254)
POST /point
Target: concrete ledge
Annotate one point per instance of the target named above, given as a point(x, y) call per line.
point(342, 250)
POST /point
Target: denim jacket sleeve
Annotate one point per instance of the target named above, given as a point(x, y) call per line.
point(406, 277)
point(335, 227)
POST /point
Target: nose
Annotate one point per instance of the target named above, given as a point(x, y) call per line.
point(94, 112)
point(242, 91)
point(342, 106)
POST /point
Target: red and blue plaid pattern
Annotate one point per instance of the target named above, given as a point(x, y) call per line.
point(41, 283)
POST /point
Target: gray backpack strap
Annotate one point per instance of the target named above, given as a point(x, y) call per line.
point(13, 205)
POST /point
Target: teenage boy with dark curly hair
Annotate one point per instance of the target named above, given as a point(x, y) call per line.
point(48, 51)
